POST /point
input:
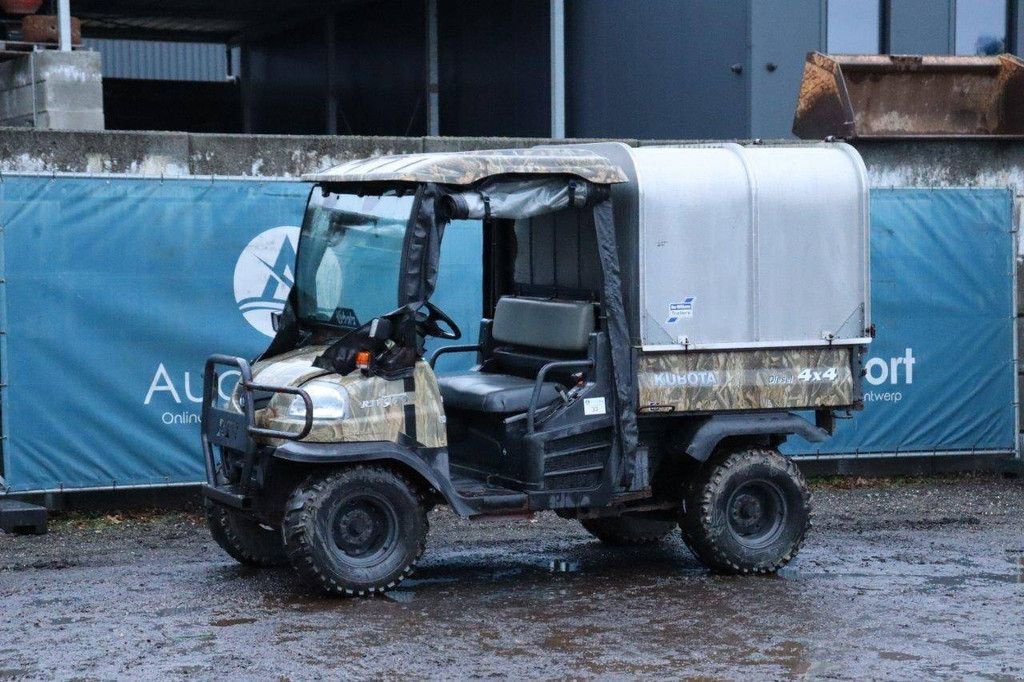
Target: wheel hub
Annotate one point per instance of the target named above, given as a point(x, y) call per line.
point(747, 512)
point(356, 527)
point(756, 511)
point(364, 528)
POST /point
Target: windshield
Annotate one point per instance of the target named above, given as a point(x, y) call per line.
point(349, 256)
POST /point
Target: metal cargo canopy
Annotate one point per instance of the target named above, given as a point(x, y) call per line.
point(725, 246)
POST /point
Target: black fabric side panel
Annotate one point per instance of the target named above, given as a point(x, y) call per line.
point(422, 248)
point(618, 335)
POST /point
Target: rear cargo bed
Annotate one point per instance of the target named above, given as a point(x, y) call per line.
point(758, 379)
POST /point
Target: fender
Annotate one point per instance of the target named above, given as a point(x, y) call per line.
point(430, 463)
point(709, 434)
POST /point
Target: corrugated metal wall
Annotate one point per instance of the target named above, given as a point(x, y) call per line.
point(161, 60)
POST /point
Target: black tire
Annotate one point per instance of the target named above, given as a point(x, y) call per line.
point(746, 512)
point(357, 531)
point(629, 530)
point(244, 539)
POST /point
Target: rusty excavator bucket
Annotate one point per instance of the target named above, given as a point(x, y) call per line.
point(879, 96)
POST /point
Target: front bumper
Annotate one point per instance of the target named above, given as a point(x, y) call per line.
point(226, 429)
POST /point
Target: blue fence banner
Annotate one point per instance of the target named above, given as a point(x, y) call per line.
point(113, 291)
point(941, 374)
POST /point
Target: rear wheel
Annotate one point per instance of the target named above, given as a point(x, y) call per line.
point(629, 529)
point(355, 531)
point(746, 511)
point(243, 538)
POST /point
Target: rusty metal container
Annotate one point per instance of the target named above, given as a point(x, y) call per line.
point(42, 28)
point(886, 96)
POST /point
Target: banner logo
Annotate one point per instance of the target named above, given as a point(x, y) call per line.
point(264, 275)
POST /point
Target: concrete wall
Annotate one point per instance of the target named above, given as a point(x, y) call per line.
point(924, 163)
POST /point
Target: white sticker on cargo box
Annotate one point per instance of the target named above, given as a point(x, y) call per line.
point(677, 311)
point(592, 406)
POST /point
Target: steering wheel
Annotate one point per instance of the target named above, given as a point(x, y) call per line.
point(428, 325)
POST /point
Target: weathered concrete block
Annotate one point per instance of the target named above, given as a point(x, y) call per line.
point(81, 66)
point(48, 96)
point(21, 517)
point(62, 90)
point(90, 119)
point(21, 101)
point(131, 153)
point(674, 143)
point(71, 96)
point(287, 155)
point(944, 163)
point(463, 144)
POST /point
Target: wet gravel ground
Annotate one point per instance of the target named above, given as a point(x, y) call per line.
point(898, 579)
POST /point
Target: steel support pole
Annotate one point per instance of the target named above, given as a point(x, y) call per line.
point(245, 84)
point(64, 24)
point(331, 38)
point(558, 69)
point(433, 99)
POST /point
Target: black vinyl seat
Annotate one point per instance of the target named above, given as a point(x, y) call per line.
point(531, 327)
point(486, 392)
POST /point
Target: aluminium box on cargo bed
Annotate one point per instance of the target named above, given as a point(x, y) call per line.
point(745, 271)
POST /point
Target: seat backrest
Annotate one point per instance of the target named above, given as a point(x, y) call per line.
point(538, 323)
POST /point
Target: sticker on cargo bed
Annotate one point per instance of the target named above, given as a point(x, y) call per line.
point(677, 311)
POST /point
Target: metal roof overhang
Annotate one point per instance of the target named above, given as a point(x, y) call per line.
point(197, 20)
point(466, 168)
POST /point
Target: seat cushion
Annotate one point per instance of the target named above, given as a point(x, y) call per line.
point(483, 392)
point(539, 323)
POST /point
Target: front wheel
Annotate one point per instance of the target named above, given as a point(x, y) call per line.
point(746, 512)
point(355, 531)
point(243, 538)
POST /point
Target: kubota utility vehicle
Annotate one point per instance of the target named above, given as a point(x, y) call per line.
point(653, 320)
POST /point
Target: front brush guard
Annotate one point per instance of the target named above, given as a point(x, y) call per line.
point(225, 428)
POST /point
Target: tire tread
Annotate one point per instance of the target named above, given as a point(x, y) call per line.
point(260, 548)
point(697, 522)
point(301, 508)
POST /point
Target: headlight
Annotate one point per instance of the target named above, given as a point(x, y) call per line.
point(330, 401)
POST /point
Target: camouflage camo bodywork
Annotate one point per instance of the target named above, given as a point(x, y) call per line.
point(466, 168)
point(378, 409)
point(776, 378)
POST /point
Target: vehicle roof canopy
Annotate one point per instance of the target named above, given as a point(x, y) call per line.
point(466, 168)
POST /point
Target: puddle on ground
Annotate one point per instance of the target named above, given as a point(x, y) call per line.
point(563, 566)
point(401, 596)
point(897, 656)
point(228, 622)
point(961, 580)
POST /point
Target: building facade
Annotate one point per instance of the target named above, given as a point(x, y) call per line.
point(574, 68)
